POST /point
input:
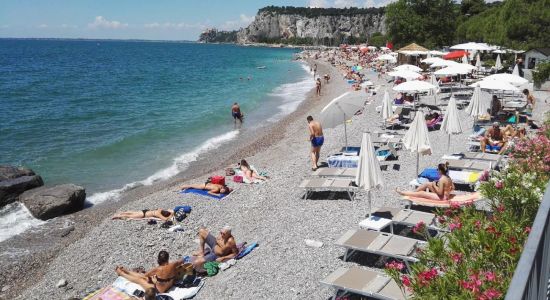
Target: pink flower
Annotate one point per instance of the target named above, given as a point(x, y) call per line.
point(406, 280)
point(419, 227)
point(492, 294)
point(456, 257)
point(395, 265)
point(527, 229)
point(455, 226)
point(499, 185)
point(477, 224)
point(500, 208)
point(490, 276)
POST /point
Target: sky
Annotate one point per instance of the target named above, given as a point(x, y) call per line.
point(139, 19)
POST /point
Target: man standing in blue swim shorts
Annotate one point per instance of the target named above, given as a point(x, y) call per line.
point(236, 113)
point(317, 140)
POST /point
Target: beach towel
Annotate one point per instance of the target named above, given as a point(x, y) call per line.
point(122, 289)
point(186, 291)
point(246, 250)
point(203, 193)
point(460, 199)
point(108, 293)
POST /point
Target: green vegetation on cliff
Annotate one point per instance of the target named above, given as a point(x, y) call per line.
point(311, 12)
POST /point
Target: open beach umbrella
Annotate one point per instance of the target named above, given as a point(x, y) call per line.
point(456, 69)
point(404, 74)
point(431, 60)
point(387, 109)
point(495, 85)
point(455, 54)
point(339, 110)
point(472, 46)
point(510, 78)
point(416, 139)
point(414, 86)
point(516, 70)
point(451, 120)
point(498, 63)
point(443, 63)
point(387, 57)
point(369, 175)
point(477, 106)
point(407, 67)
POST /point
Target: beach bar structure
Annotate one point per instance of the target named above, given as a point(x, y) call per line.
point(411, 54)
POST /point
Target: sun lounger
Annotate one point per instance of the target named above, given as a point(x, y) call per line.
point(460, 199)
point(328, 184)
point(379, 243)
point(336, 172)
point(363, 282)
point(400, 216)
point(469, 164)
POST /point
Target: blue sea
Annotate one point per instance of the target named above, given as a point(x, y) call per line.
point(107, 115)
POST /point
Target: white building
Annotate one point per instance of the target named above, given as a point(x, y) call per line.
point(536, 56)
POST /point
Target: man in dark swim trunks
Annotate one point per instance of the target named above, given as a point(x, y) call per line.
point(317, 140)
point(236, 113)
point(212, 248)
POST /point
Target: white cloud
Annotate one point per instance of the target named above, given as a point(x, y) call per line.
point(344, 3)
point(101, 22)
point(246, 19)
point(318, 3)
point(43, 26)
point(243, 21)
point(169, 25)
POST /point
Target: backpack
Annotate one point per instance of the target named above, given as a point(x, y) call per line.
point(217, 179)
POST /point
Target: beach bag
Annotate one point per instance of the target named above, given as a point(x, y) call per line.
point(229, 172)
point(238, 179)
point(218, 179)
point(212, 268)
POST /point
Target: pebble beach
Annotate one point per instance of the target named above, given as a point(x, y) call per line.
point(272, 213)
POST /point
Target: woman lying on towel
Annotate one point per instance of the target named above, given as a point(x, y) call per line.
point(437, 190)
point(250, 173)
point(178, 214)
point(212, 188)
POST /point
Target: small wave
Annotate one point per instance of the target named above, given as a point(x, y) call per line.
point(15, 218)
point(179, 164)
point(291, 95)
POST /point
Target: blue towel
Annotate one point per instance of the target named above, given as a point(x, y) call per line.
point(430, 173)
point(201, 192)
point(247, 250)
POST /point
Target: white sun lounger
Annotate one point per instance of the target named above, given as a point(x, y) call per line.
point(379, 243)
point(364, 282)
point(335, 172)
point(400, 216)
point(328, 184)
point(470, 164)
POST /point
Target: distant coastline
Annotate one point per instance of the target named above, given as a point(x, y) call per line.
point(96, 40)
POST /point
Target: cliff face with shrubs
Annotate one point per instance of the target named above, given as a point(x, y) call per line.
point(298, 25)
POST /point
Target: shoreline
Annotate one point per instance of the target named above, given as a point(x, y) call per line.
point(37, 252)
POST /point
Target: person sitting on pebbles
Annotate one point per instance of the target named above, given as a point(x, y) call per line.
point(212, 188)
point(219, 249)
point(159, 279)
point(179, 213)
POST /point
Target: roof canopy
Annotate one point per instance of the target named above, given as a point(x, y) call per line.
point(413, 47)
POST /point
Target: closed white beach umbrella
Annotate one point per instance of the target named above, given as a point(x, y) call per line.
point(416, 139)
point(464, 59)
point(404, 74)
point(477, 106)
point(433, 81)
point(510, 78)
point(495, 85)
point(339, 110)
point(516, 70)
point(451, 120)
point(498, 63)
point(387, 110)
point(407, 67)
point(414, 86)
point(478, 62)
point(369, 175)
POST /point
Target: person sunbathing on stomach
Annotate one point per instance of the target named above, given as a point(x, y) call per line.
point(178, 213)
point(219, 249)
point(212, 188)
point(437, 190)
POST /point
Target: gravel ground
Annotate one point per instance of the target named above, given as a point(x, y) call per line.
point(272, 214)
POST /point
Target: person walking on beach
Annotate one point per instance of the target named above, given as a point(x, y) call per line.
point(316, 138)
point(314, 70)
point(236, 113)
point(318, 83)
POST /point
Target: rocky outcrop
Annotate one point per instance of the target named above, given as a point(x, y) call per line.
point(49, 202)
point(320, 27)
point(16, 180)
point(218, 36)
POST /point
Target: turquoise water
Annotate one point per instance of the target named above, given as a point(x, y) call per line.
point(103, 114)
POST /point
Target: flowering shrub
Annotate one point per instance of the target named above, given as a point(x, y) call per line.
point(477, 257)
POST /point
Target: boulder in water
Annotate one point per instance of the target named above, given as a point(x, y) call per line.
point(14, 181)
point(50, 202)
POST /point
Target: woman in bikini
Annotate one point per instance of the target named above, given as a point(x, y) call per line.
point(163, 214)
point(436, 190)
point(249, 173)
point(212, 188)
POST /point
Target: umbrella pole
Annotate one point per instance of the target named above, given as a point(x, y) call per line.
point(417, 159)
point(345, 133)
point(370, 204)
point(449, 142)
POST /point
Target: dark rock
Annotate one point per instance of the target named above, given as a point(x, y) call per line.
point(49, 202)
point(16, 180)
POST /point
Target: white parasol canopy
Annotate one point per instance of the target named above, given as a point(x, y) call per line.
point(387, 110)
point(339, 110)
point(387, 57)
point(495, 85)
point(452, 71)
point(500, 51)
point(431, 60)
point(404, 74)
point(510, 78)
point(477, 106)
point(516, 70)
point(472, 46)
point(498, 63)
point(416, 139)
point(407, 67)
point(437, 53)
point(451, 121)
point(414, 86)
point(443, 63)
point(369, 175)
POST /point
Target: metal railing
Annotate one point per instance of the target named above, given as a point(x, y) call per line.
point(530, 279)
